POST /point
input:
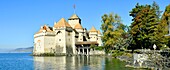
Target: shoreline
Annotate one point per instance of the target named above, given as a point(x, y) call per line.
point(53, 54)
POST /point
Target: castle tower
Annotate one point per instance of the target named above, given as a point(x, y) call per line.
point(44, 40)
point(64, 37)
point(74, 20)
point(93, 34)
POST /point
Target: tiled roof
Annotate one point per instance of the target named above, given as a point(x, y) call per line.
point(45, 27)
point(93, 29)
point(73, 16)
point(61, 23)
point(78, 26)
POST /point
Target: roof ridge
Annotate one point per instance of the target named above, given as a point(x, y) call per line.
point(62, 23)
point(74, 16)
point(44, 27)
point(93, 29)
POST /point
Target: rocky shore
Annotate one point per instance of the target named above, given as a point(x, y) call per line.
point(153, 61)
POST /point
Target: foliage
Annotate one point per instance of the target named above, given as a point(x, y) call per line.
point(93, 46)
point(96, 47)
point(146, 28)
point(114, 32)
point(116, 53)
point(99, 48)
point(164, 47)
point(164, 24)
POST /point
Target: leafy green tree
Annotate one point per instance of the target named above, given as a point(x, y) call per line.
point(113, 30)
point(163, 27)
point(144, 28)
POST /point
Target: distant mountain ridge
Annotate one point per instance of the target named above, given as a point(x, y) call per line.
point(22, 50)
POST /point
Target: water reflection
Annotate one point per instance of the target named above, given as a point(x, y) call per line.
point(77, 63)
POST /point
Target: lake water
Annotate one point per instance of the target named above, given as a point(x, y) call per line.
point(23, 61)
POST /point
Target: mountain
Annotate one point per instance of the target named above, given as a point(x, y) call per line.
point(4, 50)
point(22, 50)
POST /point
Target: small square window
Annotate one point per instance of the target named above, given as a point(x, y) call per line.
point(59, 39)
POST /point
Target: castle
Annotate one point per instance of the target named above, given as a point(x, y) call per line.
point(67, 38)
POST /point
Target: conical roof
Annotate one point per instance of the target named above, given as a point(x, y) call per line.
point(98, 32)
point(74, 16)
point(61, 23)
point(93, 29)
point(78, 26)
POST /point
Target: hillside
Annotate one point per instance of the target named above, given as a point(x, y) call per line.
point(22, 50)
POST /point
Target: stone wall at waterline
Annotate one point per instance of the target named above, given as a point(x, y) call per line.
point(97, 52)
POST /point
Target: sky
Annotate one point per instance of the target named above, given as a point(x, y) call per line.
point(21, 19)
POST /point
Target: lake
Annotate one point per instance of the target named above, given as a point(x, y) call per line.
point(23, 61)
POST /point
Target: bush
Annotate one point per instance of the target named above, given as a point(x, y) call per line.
point(128, 54)
point(116, 53)
point(96, 47)
point(99, 48)
point(93, 46)
point(136, 51)
point(164, 47)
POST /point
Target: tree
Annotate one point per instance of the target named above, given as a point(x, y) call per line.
point(155, 6)
point(112, 30)
point(144, 28)
point(164, 24)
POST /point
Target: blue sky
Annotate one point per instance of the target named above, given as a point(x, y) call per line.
point(20, 19)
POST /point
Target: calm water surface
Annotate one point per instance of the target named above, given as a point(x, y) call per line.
point(23, 61)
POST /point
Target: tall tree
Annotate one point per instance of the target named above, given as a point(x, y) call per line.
point(155, 6)
point(112, 30)
point(163, 27)
point(144, 28)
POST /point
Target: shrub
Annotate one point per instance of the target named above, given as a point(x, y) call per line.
point(116, 53)
point(99, 48)
point(128, 54)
